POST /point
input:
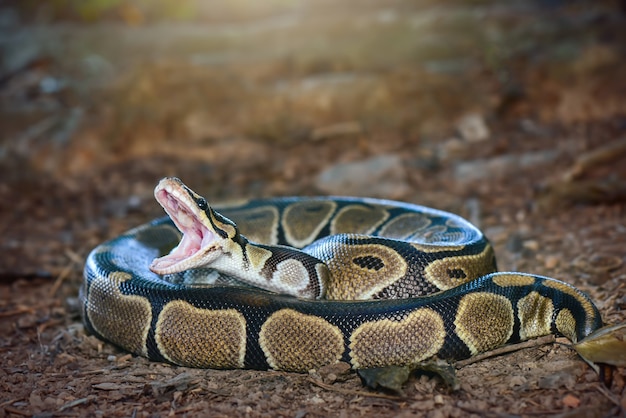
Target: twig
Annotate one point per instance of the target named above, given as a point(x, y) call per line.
point(17, 311)
point(484, 413)
point(355, 392)
point(60, 279)
point(10, 401)
point(597, 157)
point(72, 255)
point(73, 403)
point(75, 259)
point(16, 411)
point(537, 342)
point(611, 397)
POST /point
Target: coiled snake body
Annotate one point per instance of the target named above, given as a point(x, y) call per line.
point(378, 283)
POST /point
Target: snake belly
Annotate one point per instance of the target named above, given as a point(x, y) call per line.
point(422, 283)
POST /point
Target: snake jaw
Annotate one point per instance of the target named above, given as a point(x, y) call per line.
point(200, 245)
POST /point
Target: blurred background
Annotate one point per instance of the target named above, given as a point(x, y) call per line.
point(417, 100)
point(511, 113)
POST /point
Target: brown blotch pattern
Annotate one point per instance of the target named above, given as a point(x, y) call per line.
point(566, 324)
point(436, 248)
point(535, 314)
point(259, 224)
point(386, 342)
point(484, 321)
point(257, 257)
point(357, 219)
point(405, 226)
point(303, 221)
point(194, 337)
point(122, 319)
point(473, 266)
point(350, 281)
point(507, 280)
point(293, 341)
point(572, 291)
point(291, 274)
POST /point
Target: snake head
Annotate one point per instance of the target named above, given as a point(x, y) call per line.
point(206, 234)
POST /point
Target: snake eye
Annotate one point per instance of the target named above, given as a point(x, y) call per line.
point(202, 203)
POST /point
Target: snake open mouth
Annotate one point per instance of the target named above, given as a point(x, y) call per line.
point(198, 244)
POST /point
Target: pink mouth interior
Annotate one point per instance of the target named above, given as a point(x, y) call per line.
point(196, 240)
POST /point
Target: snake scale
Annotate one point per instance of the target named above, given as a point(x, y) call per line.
point(376, 283)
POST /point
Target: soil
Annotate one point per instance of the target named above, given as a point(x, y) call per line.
point(511, 116)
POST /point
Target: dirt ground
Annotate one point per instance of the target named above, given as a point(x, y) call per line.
point(511, 114)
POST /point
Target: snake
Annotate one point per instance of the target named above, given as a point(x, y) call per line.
point(297, 283)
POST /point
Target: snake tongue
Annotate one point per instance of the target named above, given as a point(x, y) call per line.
point(199, 243)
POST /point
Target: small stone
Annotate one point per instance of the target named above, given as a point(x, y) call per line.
point(557, 380)
point(427, 405)
point(571, 401)
point(551, 262)
point(451, 148)
point(490, 168)
point(337, 130)
point(333, 372)
point(517, 381)
point(473, 128)
point(381, 176)
point(106, 386)
point(531, 245)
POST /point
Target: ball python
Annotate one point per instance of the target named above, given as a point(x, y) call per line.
point(298, 283)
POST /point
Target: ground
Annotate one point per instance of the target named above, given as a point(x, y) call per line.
point(510, 115)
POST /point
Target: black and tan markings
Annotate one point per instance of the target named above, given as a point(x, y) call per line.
point(302, 222)
point(358, 219)
point(418, 336)
point(484, 321)
point(447, 272)
point(259, 224)
point(359, 242)
point(294, 341)
point(205, 338)
point(125, 320)
point(421, 250)
point(286, 333)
